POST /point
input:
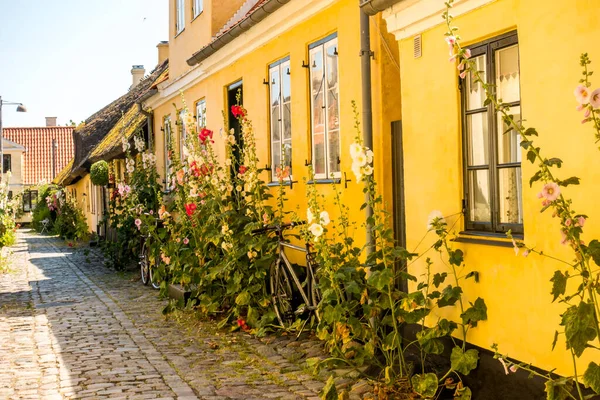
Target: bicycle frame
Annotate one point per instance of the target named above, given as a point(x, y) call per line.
point(288, 265)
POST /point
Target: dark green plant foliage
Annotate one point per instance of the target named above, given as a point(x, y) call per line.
point(99, 173)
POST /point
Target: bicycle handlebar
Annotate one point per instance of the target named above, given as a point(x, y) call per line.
point(278, 228)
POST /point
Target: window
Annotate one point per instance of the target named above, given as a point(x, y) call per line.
point(29, 200)
point(10, 195)
point(6, 163)
point(198, 7)
point(325, 121)
point(281, 115)
point(201, 114)
point(179, 16)
point(168, 148)
point(492, 155)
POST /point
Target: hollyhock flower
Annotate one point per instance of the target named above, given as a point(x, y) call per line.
point(546, 203)
point(581, 221)
point(189, 120)
point(355, 150)
point(463, 74)
point(451, 40)
point(582, 94)
point(360, 159)
point(369, 155)
point(551, 191)
point(324, 217)
point(138, 223)
point(568, 222)
point(190, 208)
point(316, 230)
point(367, 170)
point(515, 247)
point(231, 139)
point(526, 253)
point(130, 165)
point(467, 53)
point(238, 111)
point(181, 177)
point(205, 135)
point(282, 173)
point(357, 170)
point(139, 144)
point(540, 195)
point(178, 240)
point(309, 216)
point(513, 368)
point(587, 113)
point(564, 238)
point(435, 216)
point(461, 66)
point(452, 57)
point(166, 260)
point(228, 162)
point(265, 218)
point(580, 107)
point(595, 98)
point(242, 170)
point(125, 145)
point(186, 241)
point(504, 365)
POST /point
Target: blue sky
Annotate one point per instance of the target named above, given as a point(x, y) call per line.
point(69, 58)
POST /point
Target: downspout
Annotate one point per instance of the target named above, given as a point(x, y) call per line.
point(367, 106)
point(372, 7)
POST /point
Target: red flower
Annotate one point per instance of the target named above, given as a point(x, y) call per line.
point(204, 135)
point(70, 244)
point(194, 169)
point(243, 169)
point(190, 208)
point(238, 111)
point(242, 324)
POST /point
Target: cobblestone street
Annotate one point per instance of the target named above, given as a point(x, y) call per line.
point(71, 328)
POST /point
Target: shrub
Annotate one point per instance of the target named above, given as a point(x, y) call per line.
point(99, 173)
point(42, 210)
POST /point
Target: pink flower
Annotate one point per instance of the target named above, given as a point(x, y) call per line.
point(526, 253)
point(513, 368)
point(461, 66)
point(582, 94)
point(180, 177)
point(583, 121)
point(463, 74)
point(467, 53)
point(138, 223)
point(151, 212)
point(568, 222)
point(580, 107)
point(540, 195)
point(595, 98)
point(515, 247)
point(545, 203)
point(564, 238)
point(265, 218)
point(186, 241)
point(551, 191)
point(587, 113)
point(452, 57)
point(581, 221)
point(451, 40)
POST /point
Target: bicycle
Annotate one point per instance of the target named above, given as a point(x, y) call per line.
point(282, 275)
point(146, 265)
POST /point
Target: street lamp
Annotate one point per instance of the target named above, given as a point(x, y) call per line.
point(20, 108)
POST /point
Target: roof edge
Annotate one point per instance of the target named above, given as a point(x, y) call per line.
point(242, 26)
point(372, 7)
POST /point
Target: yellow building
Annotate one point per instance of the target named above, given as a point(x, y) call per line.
point(456, 157)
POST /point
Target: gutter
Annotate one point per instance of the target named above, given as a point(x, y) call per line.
point(372, 7)
point(238, 29)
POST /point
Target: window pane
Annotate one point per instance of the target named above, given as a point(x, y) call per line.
point(511, 209)
point(318, 109)
point(475, 93)
point(287, 121)
point(287, 153)
point(507, 74)
point(275, 123)
point(201, 114)
point(478, 139)
point(287, 82)
point(319, 154)
point(509, 148)
point(333, 110)
point(275, 86)
point(332, 65)
point(479, 196)
point(334, 150)
point(276, 148)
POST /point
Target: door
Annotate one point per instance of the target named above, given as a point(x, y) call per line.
point(235, 97)
point(398, 179)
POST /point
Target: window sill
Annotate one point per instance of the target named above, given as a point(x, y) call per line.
point(179, 33)
point(275, 184)
point(199, 14)
point(486, 238)
point(324, 181)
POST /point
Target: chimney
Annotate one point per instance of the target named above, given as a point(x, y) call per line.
point(163, 51)
point(50, 121)
point(137, 73)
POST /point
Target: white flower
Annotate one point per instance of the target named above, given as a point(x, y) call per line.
point(357, 172)
point(125, 145)
point(324, 217)
point(231, 139)
point(369, 156)
point(355, 150)
point(367, 170)
point(130, 165)
point(139, 144)
point(224, 229)
point(214, 181)
point(360, 159)
point(309, 216)
point(228, 162)
point(316, 230)
point(435, 216)
point(239, 188)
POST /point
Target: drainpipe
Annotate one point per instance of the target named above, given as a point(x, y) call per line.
point(367, 104)
point(372, 7)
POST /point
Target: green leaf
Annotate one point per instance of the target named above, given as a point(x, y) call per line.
point(450, 295)
point(555, 340)
point(525, 143)
point(456, 257)
point(329, 391)
point(580, 326)
point(536, 177)
point(438, 279)
point(530, 132)
point(591, 377)
point(380, 279)
point(559, 284)
point(554, 161)
point(425, 384)
point(477, 312)
point(559, 389)
point(429, 337)
point(464, 362)
point(474, 275)
point(594, 251)
point(463, 394)
point(569, 181)
point(531, 156)
point(243, 298)
point(414, 316)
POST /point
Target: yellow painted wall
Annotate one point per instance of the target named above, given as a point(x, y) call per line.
point(342, 17)
point(516, 289)
point(83, 201)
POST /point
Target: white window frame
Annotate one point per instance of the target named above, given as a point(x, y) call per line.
point(198, 6)
point(201, 114)
point(322, 46)
point(183, 132)
point(179, 16)
point(168, 162)
point(279, 70)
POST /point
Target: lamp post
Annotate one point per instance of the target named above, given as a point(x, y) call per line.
point(20, 108)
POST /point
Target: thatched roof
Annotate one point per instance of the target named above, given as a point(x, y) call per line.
point(99, 137)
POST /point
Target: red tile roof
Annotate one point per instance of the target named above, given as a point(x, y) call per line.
point(38, 154)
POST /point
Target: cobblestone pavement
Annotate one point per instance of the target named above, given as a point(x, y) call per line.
point(70, 328)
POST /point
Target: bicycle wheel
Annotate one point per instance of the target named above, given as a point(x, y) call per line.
point(281, 293)
point(144, 265)
point(315, 293)
point(153, 278)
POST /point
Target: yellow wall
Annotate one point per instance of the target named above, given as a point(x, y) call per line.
point(343, 18)
point(83, 201)
point(516, 289)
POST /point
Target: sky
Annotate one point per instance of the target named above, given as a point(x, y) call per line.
point(70, 58)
